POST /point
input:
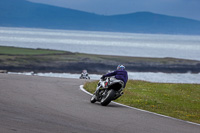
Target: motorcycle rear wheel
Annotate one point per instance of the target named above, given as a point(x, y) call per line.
point(108, 97)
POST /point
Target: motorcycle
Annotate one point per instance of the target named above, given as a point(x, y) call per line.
point(84, 76)
point(108, 89)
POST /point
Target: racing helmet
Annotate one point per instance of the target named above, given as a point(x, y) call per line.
point(120, 67)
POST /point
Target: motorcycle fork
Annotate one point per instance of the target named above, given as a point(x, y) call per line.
point(105, 91)
point(100, 94)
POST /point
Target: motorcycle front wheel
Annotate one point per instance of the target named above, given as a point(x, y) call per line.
point(93, 98)
point(108, 97)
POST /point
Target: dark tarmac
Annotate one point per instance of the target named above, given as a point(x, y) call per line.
point(33, 104)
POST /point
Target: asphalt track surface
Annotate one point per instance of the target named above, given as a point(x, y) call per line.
point(33, 104)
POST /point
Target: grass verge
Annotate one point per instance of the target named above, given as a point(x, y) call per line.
point(27, 51)
point(180, 101)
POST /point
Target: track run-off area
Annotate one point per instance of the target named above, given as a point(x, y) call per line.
point(35, 104)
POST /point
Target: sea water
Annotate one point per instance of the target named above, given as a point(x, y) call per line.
point(111, 43)
point(145, 76)
point(106, 43)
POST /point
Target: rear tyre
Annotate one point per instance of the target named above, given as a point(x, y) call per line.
point(108, 97)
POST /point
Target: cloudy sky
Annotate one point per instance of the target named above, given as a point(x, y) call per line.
point(181, 8)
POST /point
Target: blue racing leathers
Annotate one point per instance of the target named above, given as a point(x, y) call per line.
point(120, 75)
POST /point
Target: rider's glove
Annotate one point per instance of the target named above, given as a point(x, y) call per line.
point(102, 77)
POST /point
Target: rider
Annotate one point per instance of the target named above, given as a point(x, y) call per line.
point(84, 73)
point(120, 74)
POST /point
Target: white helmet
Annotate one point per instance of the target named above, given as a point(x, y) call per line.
point(120, 67)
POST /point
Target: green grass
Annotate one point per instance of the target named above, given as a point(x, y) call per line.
point(26, 51)
point(181, 101)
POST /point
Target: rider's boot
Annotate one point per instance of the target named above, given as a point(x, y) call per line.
point(118, 95)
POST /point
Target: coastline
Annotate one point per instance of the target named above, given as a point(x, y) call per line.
point(99, 68)
point(45, 60)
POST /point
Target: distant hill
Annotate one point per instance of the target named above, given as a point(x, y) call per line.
point(21, 13)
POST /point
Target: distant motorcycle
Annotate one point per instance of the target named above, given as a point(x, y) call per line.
point(108, 89)
point(84, 75)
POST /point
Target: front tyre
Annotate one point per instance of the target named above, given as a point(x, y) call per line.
point(108, 97)
point(93, 98)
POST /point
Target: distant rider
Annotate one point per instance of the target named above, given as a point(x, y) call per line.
point(84, 72)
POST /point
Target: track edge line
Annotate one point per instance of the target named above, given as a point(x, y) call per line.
point(82, 89)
